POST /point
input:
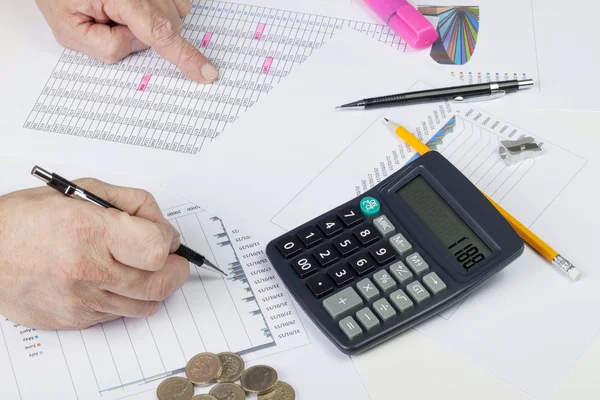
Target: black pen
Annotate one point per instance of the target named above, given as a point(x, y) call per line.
point(466, 93)
point(70, 189)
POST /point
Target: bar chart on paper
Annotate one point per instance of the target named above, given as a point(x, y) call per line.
point(248, 313)
point(145, 101)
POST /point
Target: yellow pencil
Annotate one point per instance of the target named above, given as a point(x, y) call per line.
point(529, 237)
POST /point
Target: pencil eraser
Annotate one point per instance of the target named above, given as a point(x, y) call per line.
point(574, 274)
point(406, 21)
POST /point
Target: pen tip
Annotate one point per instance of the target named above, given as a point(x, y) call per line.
point(386, 120)
point(213, 266)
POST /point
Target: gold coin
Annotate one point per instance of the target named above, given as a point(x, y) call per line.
point(203, 369)
point(281, 391)
point(204, 397)
point(175, 389)
point(233, 367)
point(228, 391)
point(259, 379)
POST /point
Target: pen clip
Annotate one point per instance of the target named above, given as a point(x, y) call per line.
point(486, 97)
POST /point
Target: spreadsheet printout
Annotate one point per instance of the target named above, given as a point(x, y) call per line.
point(515, 325)
point(249, 312)
point(145, 101)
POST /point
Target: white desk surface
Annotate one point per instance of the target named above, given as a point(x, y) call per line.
point(411, 366)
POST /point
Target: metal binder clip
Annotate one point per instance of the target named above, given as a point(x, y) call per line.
point(513, 151)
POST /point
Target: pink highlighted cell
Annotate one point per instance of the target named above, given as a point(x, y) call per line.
point(206, 39)
point(267, 65)
point(260, 29)
point(144, 82)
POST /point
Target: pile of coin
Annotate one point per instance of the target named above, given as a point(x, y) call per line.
point(224, 370)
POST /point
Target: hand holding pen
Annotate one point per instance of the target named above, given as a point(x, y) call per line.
point(67, 264)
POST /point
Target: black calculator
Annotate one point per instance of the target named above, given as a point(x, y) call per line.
point(416, 243)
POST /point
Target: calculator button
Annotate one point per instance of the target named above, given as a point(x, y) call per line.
point(370, 206)
point(330, 225)
point(367, 290)
point(417, 264)
point(385, 281)
point(434, 283)
point(289, 246)
point(400, 243)
point(320, 285)
point(343, 303)
point(384, 226)
point(325, 254)
point(401, 301)
point(383, 253)
point(304, 266)
point(350, 328)
point(384, 309)
point(346, 244)
point(350, 216)
point(310, 236)
point(417, 292)
point(362, 263)
point(401, 272)
point(366, 234)
point(367, 319)
point(342, 274)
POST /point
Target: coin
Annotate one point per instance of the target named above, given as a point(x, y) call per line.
point(204, 397)
point(281, 391)
point(228, 391)
point(175, 389)
point(203, 369)
point(233, 367)
point(259, 379)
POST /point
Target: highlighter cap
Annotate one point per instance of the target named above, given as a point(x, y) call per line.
point(406, 21)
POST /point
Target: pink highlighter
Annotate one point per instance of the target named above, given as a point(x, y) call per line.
point(406, 21)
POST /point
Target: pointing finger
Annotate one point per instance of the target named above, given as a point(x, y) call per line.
point(160, 28)
point(183, 7)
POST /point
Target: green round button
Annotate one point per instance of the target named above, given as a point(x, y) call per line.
point(370, 206)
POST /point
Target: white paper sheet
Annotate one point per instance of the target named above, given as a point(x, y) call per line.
point(64, 103)
point(528, 324)
point(249, 313)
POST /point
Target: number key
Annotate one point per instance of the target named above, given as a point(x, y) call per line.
point(304, 266)
point(330, 225)
point(310, 236)
point(325, 254)
point(346, 244)
point(366, 234)
point(289, 246)
point(350, 216)
point(362, 263)
point(342, 274)
point(382, 253)
point(320, 285)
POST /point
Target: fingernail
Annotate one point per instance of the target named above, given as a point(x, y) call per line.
point(209, 72)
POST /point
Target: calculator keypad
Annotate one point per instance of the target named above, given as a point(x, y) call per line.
point(310, 236)
point(304, 266)
point(342, 274)
point(346, 244)
point(350, 216)
point(320, 285)
point(325, 254)
point(330, 226)
point(362, 263)
point(366, 234)
point(366, 273)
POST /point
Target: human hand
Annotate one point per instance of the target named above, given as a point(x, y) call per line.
point(69, 264)
point(109, 30)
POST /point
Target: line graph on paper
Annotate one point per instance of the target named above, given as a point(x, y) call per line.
point(250, 317)
point(145, 101)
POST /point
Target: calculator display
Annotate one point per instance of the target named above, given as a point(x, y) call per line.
point(460, 240)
